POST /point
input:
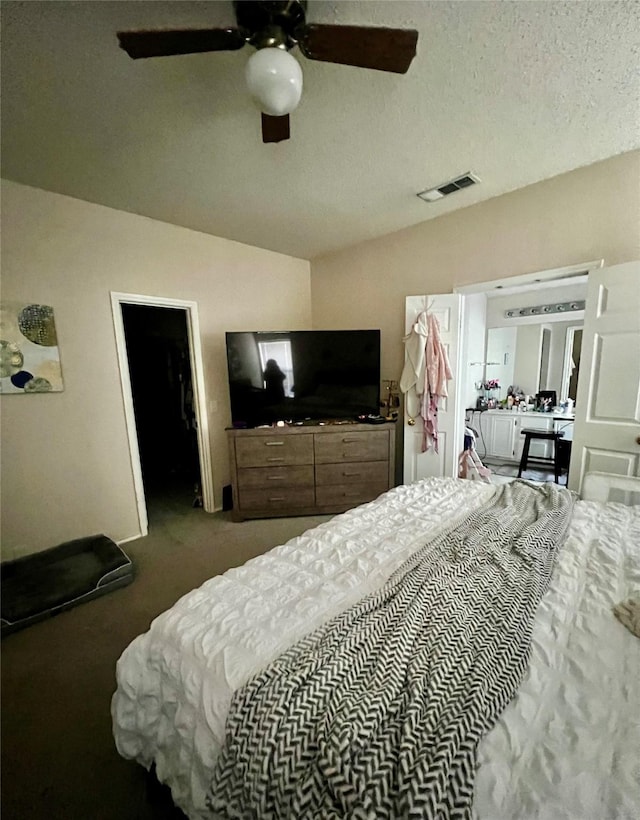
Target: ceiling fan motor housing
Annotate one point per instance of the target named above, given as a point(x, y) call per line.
point(271, 23)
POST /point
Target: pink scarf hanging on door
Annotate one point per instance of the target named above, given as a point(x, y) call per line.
point(437, 374)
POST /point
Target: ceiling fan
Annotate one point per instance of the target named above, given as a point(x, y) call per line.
point(273, 28)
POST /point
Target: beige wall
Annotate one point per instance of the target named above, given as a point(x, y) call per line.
point(587, 214)
point(66, 470)
point(65, 460)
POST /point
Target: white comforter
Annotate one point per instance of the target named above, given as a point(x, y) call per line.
point(568, 746)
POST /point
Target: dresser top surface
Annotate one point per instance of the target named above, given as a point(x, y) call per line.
point(297, 429)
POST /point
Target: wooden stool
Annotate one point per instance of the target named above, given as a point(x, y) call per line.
point(545, 435)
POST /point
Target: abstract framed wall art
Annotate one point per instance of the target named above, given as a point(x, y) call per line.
point(29, 355)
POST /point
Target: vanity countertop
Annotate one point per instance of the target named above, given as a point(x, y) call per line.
point(531, 413)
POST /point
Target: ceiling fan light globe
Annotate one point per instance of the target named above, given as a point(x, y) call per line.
point(274, 79)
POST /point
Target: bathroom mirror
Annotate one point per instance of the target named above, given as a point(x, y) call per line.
point(535, 357)
point(571, 367)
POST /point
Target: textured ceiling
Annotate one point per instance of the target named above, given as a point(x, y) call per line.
point(515, 91)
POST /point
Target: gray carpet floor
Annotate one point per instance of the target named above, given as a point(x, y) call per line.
point(59, 761)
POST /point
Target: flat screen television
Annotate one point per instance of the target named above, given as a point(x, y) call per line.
point(302, 375)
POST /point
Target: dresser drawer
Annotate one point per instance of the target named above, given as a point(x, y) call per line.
point(355, 472)
point(342, 495)
point(288, 498)
point(264, 451)
point(301, 470)
point(269, 478)
point(356, 446)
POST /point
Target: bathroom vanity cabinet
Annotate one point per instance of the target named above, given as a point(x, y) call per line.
point(502, 438)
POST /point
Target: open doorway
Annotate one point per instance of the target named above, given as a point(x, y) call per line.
point(158, 344)
point(525, 323)
point(164, 406)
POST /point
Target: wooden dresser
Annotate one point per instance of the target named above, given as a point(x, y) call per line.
point(309, 470)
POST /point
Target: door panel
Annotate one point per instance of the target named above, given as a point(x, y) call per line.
point(504, 430)
point(417, 465)
point(614, 398)
point(606, 461)
point(608, 404)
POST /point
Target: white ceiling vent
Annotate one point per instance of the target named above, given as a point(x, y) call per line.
point(457, 184)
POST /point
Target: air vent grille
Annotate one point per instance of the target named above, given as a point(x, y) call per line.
point(440, 191)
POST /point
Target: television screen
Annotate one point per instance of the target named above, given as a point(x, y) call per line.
point(302, 375)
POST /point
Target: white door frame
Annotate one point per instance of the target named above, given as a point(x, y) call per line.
point(541, 280)
point(199, 395)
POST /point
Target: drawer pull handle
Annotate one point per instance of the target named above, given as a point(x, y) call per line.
point(349, 475)
point(275, 478)
point(277, 498)
point(274, 443)
point(275, 458)
point(351, 440)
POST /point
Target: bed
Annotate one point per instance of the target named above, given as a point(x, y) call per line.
point(566, 746)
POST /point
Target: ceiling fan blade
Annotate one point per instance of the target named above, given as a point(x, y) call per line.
point(180, 41)
point(275, 129)
point(385, 49)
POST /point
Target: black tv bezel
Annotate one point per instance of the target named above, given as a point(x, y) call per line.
point(316, 417)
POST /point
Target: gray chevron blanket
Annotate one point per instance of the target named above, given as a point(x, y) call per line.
point(378, 713)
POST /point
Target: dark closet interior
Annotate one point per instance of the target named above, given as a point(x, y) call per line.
point(162, 389)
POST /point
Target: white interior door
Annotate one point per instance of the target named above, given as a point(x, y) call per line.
point(607, 424)
point(444, 463)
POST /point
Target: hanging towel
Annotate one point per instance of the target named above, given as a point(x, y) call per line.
point(425, 375)
point(413, 379)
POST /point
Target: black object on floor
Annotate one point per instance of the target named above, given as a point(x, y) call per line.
point(48, 582)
